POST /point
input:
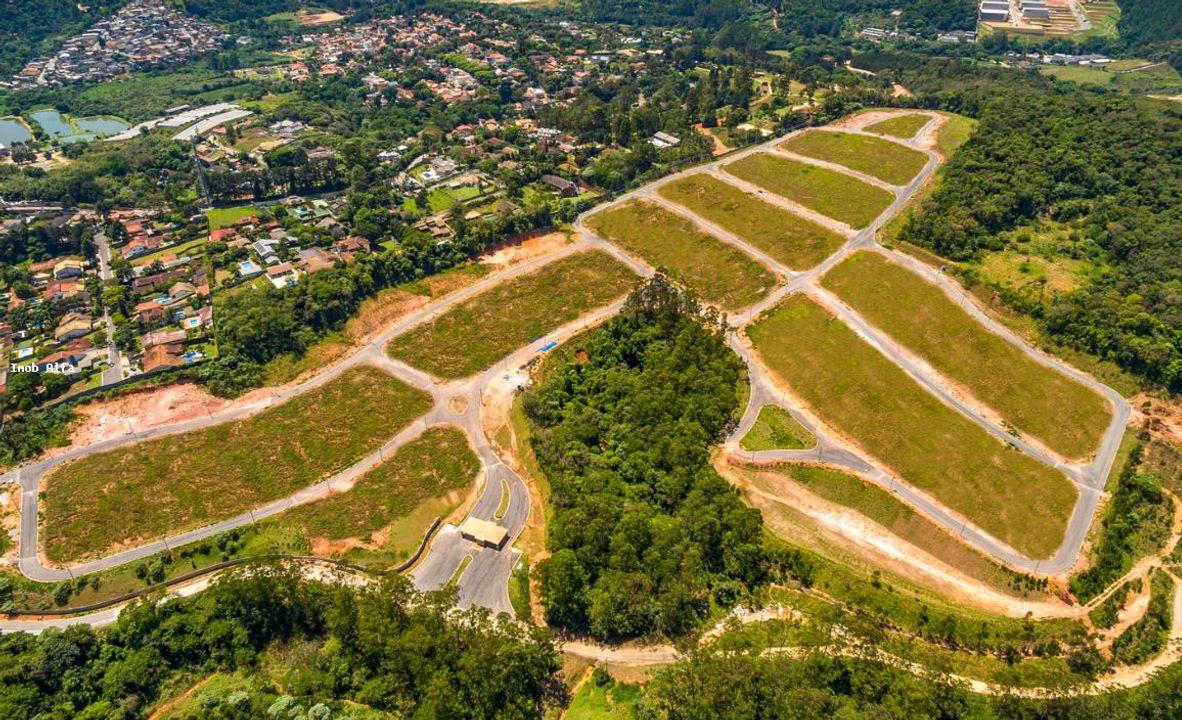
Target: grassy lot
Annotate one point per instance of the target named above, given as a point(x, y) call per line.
point(1067, 416)
point(474, 334)
point(900, 126)
point(789, 238)
point(884, 159)
point(1079, 74)
point(955, 131)
point(873, 401)
point(885, 509)
point(721, 274)
point(160, 487)
point(609, 701)
point(436, 464)
point(822, 190)
point(225, 217)
point(776, 429)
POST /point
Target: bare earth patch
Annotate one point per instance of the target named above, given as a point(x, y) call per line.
point(531, 245)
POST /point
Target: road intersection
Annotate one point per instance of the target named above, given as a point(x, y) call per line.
point(484, 581)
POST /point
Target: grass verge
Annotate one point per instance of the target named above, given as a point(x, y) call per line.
point(1018, 500)
point(1064, 414)
point(789, 238)
point(474, 334)
point(161, 487)
point(831, 193)
point(776, 429)
point(719, 273)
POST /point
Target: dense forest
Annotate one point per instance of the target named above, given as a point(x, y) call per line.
point(382, 646)
point(1150, 21)
point(810, 18)
point(645, 534)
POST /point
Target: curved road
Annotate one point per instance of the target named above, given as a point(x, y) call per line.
point(485, 580)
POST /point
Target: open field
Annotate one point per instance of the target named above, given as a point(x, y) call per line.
point(474, 334)
point(790, 239)
point(224, 217)
point(955, 131)
point(883, 508)
point(721, 274)
point(822, 190)
point(884, 159)
point(438, 463)
point(900, 126)
point(164, 486)
point(1064, 414)
point(776, 429)
point(873, 401)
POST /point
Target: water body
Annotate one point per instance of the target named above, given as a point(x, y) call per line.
point(13, 131)
point(58, 126)
point(52, 122)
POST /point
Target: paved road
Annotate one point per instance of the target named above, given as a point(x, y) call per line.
point(114, 371)
point(484, 582)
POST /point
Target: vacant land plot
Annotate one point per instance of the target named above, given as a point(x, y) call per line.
point(785, 236)
point(1067, 416)
point(437, 463)
point(160, 487)
point(900, 126)
point(884, 159)
point(822, 190)
point(224, 217)
point(875, 403)
point(883, 508)
point(776, 429)
point(474, 334)
point(718, 272)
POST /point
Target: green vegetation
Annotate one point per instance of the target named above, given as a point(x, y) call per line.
point(1011, 496)
point(721, 274)
point(888, 511)
point(1136, 523)
point(472, 335)
point(1061, 412)
point(436, 464)
point(601, 698)
point(646, 537)
point(886, 160)
point(282, 647)
point(956, 131)
point(776, 429)
point(1147, 637)
point(822, 190)
point(900, 126)
point(1107, 612)
point(160, 487)
point(224, 217)
point(519, 591)
point(786, 237)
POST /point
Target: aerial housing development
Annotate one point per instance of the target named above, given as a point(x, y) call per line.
point(665, 361)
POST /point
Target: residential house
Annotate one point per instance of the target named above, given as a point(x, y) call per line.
point(72, 325)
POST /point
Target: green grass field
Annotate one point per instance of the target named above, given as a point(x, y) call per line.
point(160, 487)
point(1064, 414)
point(900, 126)
point(432, 466)
point(225, 217)
point(776, 429)
point(789, 238)
point(874, 402)
point(718, 272)
point(476, 333)
point(885, 509)
point(612, 701)
point(822, 190)
point(955, 131)
point(883, 159)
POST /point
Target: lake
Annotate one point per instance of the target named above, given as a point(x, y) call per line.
point(58, 126)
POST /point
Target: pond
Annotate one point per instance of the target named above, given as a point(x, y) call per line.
point(13, 131)
point(59, 126)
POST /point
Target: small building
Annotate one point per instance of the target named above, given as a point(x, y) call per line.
point(162, 356)
point(484, 532)
point(151, 313)
point(283, 275)
point(68, 268)
point(665, 140)
point(560, 185)
point(72, 325)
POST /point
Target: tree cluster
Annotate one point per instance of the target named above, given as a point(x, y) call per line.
point(646, 536)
